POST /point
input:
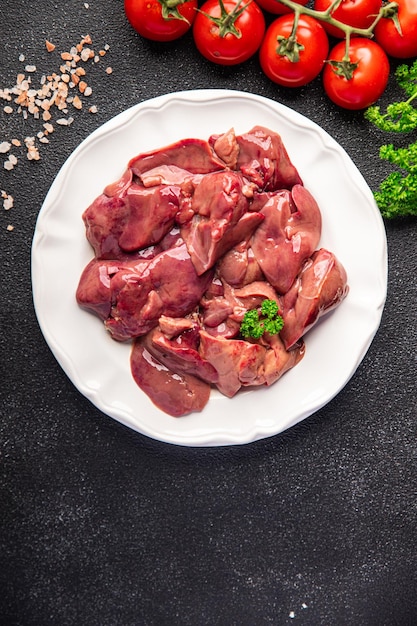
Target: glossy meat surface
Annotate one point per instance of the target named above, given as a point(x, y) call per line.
point(190, 238)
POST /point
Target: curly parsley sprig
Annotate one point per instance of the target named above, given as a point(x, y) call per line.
point(400, 117)
point(268, 320)
point(397, 194)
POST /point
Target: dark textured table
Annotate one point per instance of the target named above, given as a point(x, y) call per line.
point(102, 526)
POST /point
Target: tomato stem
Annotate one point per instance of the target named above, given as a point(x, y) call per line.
point(388, 10)
point(345, 67)
point(226, 21)
point(170, 10)
point(289, 46)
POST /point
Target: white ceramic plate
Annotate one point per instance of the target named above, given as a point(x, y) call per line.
point(99, 367)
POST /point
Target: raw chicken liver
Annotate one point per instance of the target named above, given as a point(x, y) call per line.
point(190, 238)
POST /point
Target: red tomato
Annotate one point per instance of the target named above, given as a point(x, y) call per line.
point(314, 47)
point(227, 48)
point(400, 45)
point(370, 73)
point(154, 20)
point(357, 13)
point(277, 8)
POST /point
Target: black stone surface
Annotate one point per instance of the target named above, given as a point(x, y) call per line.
point(101, 526)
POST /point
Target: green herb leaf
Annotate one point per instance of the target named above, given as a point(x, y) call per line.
point(397, 194)
point(255, 323)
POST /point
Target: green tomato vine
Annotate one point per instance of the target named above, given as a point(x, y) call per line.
point(397, 194)
point(345, 67)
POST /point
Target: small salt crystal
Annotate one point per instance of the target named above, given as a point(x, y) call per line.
point(8, 203)
point(30, 68)
point(5, 147)
point(292, 614)
point(10, 227)
point(21, 58)
point(85, 54)
point(8, 165)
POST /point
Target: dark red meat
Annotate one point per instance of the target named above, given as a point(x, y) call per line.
point(221, 218)
point(288, 235)
point(240, 363)
point(131, 296)
point(193, 155)
point(137, 219)
point(174, 393)
point(319, 288)
point(180, 354)
point(191, 237)
point(260, 155)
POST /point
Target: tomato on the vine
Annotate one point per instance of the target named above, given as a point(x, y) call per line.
point(357, 13)
point(399, 39)
point(277, 8)
point(293, 56)
point(161, 20)
point(358, 82)
point(228, 32)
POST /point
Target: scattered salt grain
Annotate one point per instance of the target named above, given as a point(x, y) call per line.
point(10, 163)
point(291, 614)
point(7, 202)
point(53, 93)
point(5, 147)
point(10, 227)
point(85, 54)
point(77, 103)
